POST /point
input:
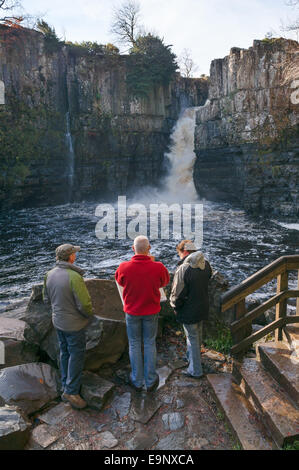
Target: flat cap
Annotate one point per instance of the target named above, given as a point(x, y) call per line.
point(64, 251)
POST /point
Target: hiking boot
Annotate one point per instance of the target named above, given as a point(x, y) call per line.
point(137, 389)
point(154, 386)
point(187, 374)
point(75, 400)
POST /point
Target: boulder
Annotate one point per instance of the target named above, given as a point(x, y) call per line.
point(95, 390)
point(14, 428)
point(29, 386)
point(38, 319)
point(17, 349)
point(106, 336)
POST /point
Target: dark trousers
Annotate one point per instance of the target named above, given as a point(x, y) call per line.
point(72, 345)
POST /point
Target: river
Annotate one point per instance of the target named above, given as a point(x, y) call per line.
point(234, 243)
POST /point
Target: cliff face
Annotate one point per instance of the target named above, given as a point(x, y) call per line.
point(69, 129)
point(246, 136)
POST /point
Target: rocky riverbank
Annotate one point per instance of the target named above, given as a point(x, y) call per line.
point(30, 383)
point(180, 415)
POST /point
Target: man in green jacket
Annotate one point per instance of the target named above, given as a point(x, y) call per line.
point(65, 289)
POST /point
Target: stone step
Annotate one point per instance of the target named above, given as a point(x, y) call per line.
point(239, 413)
point(291, 336)
point(283, 365)
point(276, 409)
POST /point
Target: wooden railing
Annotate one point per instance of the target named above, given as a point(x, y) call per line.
point(241, 328)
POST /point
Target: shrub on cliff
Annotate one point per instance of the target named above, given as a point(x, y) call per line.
point(91, 48)
point(52, 42)
point(151, 63)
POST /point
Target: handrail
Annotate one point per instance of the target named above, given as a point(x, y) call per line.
point(241, 328)
point(257, 280)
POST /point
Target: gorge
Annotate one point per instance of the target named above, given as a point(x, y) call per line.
point(69, 121)
point(72, 137)
point(67, 104)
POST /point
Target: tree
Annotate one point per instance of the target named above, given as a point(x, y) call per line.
point(187, 65)
point(151, 63)
point(125, 25)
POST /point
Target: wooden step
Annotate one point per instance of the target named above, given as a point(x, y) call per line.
point(277, 410)
point(283, 365)
point(291, 336)
point(239, 413)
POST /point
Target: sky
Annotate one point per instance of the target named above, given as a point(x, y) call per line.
point(208, 28)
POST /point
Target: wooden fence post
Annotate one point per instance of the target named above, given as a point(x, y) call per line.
point(281, 307)
point(239, 335)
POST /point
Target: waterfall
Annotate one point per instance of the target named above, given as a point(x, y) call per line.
point(178, 184)
point(71, 155)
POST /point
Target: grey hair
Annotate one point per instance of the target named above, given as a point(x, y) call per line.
point(141, 244)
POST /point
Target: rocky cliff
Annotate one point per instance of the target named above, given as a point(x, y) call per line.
point(69, 130)
point(246, 136)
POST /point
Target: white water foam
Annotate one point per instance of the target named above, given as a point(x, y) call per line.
point(178, 185)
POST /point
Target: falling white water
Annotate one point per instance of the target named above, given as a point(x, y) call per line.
point(179, 183)
point(71, 154)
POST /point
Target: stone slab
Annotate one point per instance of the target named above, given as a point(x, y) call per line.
point(144, 407)
point(44, 435)
point(174, 441)
point(164, 373)
point(239, 413)
point(173, 421)
point(121, 404)
point(95, 390)
point(56, 414)
point(142, 441)
point(283, 364)
point(277, 410)
point(107, 440)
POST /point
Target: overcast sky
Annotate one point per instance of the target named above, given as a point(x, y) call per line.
point(209, 28)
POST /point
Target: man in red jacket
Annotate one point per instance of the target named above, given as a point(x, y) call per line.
point(141, 279)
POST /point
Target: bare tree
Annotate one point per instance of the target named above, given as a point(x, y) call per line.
point(125, 25)
point(187, 65)
point(8, 9)
point(293, 25)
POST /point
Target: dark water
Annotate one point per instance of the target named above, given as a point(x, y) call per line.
point(234, 243)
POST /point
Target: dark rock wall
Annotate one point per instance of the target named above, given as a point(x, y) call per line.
point(118, 142)
point(246, 136)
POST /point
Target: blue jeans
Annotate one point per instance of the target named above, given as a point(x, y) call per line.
point(193, 337)
point(142, 327)
point(72, 345)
